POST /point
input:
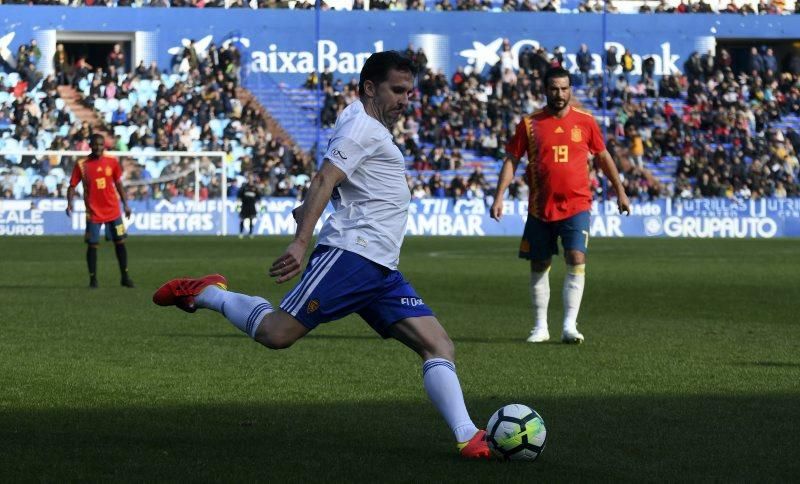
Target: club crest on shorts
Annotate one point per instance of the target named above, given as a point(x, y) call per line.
point(576, 134)
point(313, 305)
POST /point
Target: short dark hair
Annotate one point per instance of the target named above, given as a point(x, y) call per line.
point(378, 65)
point(556, 72)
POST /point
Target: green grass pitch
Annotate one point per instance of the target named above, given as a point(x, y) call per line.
point(690, 370)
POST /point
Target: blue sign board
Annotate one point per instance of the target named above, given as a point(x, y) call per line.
point(699, 218)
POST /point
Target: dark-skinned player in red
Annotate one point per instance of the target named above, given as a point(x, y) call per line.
point(100, 176)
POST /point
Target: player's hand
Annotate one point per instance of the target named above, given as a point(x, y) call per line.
point(288, 265)
point(497, 209)
point(127, 211)
point(623, 204)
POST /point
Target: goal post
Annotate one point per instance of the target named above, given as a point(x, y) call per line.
point(147, 175)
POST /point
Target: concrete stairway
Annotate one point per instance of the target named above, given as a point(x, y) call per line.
point(72, 98)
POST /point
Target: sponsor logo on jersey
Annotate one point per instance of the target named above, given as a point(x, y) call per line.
point(559, 130)
point(339, 153)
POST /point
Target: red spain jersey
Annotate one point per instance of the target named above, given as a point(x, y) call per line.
point(558, 161)
point(99, 192)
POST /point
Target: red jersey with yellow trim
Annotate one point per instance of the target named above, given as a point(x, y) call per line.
point(99, 176)
point(558, 161)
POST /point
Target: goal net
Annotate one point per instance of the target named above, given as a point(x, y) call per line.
point(168, 191)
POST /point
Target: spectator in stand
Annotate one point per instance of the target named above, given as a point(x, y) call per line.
point(584, 61)
point(612, 61)
point(116, 58)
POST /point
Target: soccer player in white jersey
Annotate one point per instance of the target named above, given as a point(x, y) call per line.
point(353, 268)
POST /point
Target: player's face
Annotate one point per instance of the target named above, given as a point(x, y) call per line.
point(391, 95)
point(97, 144)
point(558, 93)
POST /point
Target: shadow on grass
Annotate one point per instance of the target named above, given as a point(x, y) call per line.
point(771, 364)
point(355, 337)
point(637, 438)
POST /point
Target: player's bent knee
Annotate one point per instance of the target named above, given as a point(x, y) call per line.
point(275, 342)
point(279, 330)
point(426, 336)
point(439, 346)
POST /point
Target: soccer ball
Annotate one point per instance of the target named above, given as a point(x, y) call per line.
point(516, 432)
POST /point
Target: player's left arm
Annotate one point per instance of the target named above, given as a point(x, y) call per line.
point(606, 162)
point(121, 190)
point(609, 168)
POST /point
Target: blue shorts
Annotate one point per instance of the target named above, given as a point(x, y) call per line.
point(337, 283)
point(115, 230)
point(540, 240)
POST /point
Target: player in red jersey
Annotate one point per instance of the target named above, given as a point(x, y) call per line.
point(102, 192)
point(557, 141)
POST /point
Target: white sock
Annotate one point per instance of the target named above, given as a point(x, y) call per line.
point(540, 297)
point(444, 390)
point(573, 292)
point(243, 311)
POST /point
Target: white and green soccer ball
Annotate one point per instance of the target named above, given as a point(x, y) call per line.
point(516, 432)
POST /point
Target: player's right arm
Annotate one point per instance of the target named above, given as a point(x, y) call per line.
point(516, 147)
point(503, 181)
point(76, 178)
point(319, 193)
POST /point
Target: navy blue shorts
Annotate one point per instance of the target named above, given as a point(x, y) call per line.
point(337, 283)
point(540, 239)
point(115, 230)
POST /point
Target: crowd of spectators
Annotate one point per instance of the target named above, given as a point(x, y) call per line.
point(762, 7)
point(728, 134)
point(723, 126)
point(191, 106)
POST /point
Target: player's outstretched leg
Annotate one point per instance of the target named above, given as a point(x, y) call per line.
point(210, 292)
point(428, 338)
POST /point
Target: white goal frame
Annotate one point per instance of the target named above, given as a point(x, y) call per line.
point(222, 156)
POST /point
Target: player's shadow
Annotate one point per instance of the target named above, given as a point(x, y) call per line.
point(636, 438)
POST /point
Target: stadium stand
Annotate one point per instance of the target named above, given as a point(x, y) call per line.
point(710, 132)
point(748, 7)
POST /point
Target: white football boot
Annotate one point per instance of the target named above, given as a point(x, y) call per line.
point(538, 335)
point(571, 336)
